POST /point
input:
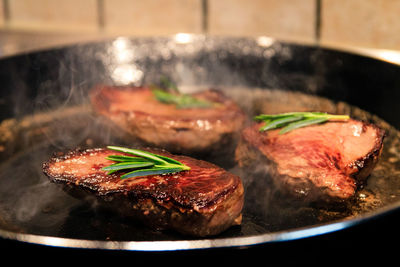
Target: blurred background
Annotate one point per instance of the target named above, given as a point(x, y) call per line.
point(343, 24)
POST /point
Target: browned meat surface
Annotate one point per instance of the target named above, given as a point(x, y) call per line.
point(203, 201)
point(189, 130)
point(321, 162)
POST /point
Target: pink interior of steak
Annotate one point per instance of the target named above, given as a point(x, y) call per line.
point(141, 99)
point(200, 188)
point(325, 154)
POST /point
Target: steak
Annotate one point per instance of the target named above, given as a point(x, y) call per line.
point(319, 163)
point(180, 130)
point(203, 201)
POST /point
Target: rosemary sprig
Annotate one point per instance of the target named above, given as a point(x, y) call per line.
point(294, 120)
point(181, 101)
point(142, 163)
point(168, 85)
point(169, 93)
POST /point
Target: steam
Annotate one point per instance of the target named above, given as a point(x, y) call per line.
point(62, 119)
point(28, 205)
point(28, 198)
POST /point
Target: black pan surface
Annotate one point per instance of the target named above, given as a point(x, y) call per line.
point(43, 103)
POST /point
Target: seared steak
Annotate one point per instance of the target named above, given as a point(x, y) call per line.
point(183, 130)
point(203, 201)
point(321, 162)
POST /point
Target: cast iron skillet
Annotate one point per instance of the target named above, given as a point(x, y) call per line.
point(43, 110)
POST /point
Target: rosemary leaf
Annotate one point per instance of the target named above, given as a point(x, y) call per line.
point(128, 165)
point(123, 158)
point(302, 123)
point(152, 171)
point(169, 160)
point(294, 120)
point(144, 163)
point(264, 117)
point(181, 101)
point(277, 123)
point(165, 97)
point(139, 153)
point(168, 84)
point(169, 93)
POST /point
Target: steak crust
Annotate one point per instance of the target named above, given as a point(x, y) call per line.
point(191, 130)
point(319, 163)
point(203, 201)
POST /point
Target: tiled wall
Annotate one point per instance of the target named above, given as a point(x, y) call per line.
point(368, 23)
point(289, 19)
point(365, 23)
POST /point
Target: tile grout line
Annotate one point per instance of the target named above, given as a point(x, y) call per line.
point(318, 22)
point(6, 12)
point(204, 16)
point(100, 15)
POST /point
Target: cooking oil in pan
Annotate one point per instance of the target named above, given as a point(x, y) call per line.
point(29, 203)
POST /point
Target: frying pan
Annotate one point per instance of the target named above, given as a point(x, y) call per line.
point(44, 109)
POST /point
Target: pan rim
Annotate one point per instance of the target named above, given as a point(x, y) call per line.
point(390, 56)
point(206, 243)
